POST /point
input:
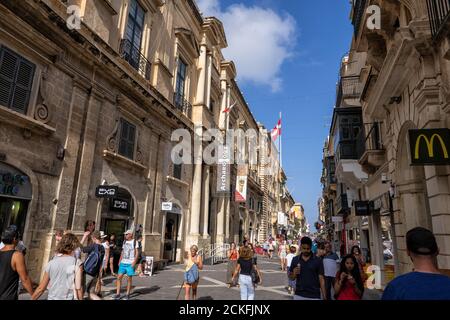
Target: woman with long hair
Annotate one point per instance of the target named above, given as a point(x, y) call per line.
point(244, 268)
point(194, 262)
point(233, 256)
point(356, 252)
point(112, 253)
point(349, 285)
point(282, 253)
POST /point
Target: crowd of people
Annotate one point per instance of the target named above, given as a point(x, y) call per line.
point(76, 268)
point(314, 271)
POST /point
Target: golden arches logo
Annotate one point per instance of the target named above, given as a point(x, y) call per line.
point(430, 145)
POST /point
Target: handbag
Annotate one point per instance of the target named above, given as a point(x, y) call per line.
point(255, 276)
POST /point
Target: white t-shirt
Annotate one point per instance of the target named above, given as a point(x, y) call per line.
point(1, 245)
point(106, 246)
point(128, 253)
point(289, 258)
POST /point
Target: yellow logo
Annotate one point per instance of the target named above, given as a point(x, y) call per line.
point(430, 145)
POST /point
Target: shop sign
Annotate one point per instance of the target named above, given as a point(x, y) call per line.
point(364, 208)
point(429, 146)
point(10, 184)
point(106, 191)
point(120, 205)
point(167, 206)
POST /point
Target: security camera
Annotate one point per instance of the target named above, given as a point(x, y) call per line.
point(384, 178)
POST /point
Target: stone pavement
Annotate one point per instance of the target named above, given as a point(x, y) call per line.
point(166, 284)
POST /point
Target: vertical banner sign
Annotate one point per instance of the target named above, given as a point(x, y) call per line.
point(241, 184)
point(223, 171)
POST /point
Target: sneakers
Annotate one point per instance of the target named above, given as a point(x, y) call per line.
point(116, 297)
point(126, 297)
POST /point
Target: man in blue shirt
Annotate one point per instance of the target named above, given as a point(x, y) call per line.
point(307, 269)
point(425, 282)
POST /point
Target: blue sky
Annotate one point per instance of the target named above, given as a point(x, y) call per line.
point(305, 40)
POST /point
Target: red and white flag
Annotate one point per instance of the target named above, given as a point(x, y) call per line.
point(276, 132)
point(229, 108)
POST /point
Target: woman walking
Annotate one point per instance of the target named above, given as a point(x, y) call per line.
point(233, 256)
point(356, 252)
point(244, 268)
point(282, 253)
point(349, 285)
point(194, 263)
point(59, 274)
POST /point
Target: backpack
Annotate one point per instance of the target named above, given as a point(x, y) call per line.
point(93, 262)
point(191, 276)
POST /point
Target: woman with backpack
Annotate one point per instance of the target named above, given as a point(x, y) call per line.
point(194, 264)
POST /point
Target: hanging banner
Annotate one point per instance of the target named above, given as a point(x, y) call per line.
point(223, 170)
point(241, 189)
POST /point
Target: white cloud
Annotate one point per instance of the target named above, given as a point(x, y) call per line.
point(259, 40)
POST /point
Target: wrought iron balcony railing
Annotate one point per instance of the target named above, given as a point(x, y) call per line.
point(438, 13)
point(135, 58)
point(359, 6)
point(348, 88)
point(369, 139)
point(182, 104)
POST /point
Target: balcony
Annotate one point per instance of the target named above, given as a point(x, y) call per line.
point(182, 104)
point(135, 58)
point(359, 8)
point(342, 207)
point(370, 147)
point(349, 88)
point(438, 14)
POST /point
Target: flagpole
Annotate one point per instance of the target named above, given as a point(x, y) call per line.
point(280, 145)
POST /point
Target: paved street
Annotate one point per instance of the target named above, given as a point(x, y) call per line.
point(165, 284)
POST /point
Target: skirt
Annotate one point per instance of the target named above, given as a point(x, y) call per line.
point(230, 270)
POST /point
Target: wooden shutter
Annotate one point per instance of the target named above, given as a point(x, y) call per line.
point(16, 80)
point(127, 139)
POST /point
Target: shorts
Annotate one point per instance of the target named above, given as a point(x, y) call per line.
point(283, 255)
point(125, 268)
point(89, 282)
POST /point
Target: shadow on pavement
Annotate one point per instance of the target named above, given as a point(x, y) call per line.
point(142, 291)
point(205, 298)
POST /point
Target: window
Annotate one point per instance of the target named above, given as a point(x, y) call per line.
point(133, 33)
point(177, 168)
point(211, 105)
point(180, 84)
point(16, 80)
point(127, 139)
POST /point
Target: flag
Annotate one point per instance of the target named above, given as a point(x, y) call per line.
point(229, 108)
point(276, 132)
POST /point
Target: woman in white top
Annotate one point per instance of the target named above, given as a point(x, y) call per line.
point(59, 274)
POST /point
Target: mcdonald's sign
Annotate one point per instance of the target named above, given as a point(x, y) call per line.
point(430, 146)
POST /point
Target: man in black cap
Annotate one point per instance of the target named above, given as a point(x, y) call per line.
point(425, 282)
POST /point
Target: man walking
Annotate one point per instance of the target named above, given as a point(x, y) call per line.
point(425, 282)
point(307, 269)
point(330, 266)
point(12, 266)
point(127, 263)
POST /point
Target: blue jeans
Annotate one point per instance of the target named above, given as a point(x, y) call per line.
point(247, 288)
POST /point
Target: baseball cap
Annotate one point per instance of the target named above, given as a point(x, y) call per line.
point(128, 231)
point(103, 235)
point(421, 241)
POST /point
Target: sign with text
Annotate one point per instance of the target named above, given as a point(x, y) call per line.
point(223, 170)
point(106, 191)
point(364, 208)
point(167, 206)
point(337, 219)
point(120, 205)
point(429, 146)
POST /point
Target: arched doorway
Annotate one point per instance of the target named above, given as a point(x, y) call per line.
point(15, 196)
point(118, 214)
point(411, 195)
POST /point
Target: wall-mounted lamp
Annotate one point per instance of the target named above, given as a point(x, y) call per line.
point(396, 100)
point(60, 153)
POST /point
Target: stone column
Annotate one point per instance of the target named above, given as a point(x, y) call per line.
point(202, 87)
point(208, 80)
point(220, 237)
point(194, 228)
point(206, 193)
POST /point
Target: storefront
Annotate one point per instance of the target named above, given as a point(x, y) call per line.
point(15, 197)
point(117, 214)
point(172, 240)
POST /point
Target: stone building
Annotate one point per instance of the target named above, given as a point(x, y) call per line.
point(404, 86)
point(96, 104)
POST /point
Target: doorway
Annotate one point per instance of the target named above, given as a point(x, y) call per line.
point(13, 211)
point(171, 236)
